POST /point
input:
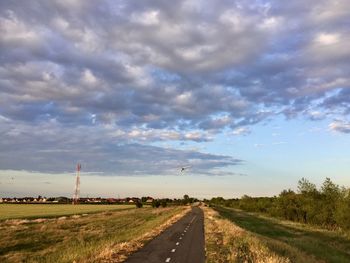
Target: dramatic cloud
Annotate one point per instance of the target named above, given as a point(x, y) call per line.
point(133, 72)
point(53, 148)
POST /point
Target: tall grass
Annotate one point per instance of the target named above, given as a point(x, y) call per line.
point(298, 242)
point(226, 242)
point(77, 239)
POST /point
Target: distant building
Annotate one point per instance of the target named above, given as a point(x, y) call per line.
point(149, 200)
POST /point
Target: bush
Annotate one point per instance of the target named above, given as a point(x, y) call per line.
point(155, 203)
point(342, 213)
point(138, 204)
point(163, 203)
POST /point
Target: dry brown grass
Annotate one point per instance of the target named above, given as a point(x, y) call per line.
point(226, 242)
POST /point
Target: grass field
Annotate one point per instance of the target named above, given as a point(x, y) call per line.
point(30, 211)
point(298, 242)
point(81, 239)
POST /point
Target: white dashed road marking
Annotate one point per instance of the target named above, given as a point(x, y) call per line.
point(193, 219)
point(167, 260)
point(173, 250)
point(177, 243)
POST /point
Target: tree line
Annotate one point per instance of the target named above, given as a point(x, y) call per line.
point(328, 206)
point(186, 200)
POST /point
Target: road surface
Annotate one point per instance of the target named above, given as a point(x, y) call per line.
point(183, 242)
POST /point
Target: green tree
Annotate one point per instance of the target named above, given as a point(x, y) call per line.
point(309, 201)
point(305, 187)
point(163, 203)
point(138, 204)
point(342, 213)
point(289, 205)
point(331, 195)
point(155, 203)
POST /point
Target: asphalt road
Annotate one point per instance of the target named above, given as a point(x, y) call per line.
point(183, 242)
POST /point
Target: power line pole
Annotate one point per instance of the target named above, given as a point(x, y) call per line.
point(77, 186)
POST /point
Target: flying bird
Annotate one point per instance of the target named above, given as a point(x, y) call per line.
point(183, 168)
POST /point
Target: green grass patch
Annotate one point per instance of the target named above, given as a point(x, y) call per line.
point(286, 238)
point(77, 239)
point(30, 211)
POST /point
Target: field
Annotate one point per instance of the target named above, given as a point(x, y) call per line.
point(91, 238)
point(279, 240)
point(29, 211)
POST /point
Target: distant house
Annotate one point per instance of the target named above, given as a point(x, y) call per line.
point(1, 200)
point(149, 200)
point(111, 200)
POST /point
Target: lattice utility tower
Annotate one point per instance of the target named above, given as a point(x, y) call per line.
point(77, 186)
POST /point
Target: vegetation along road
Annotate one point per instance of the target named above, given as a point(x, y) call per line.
point(172, 234)
point(294, 241)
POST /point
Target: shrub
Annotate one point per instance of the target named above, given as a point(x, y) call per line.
point(138, 204)
point(163, 203)
point(155, 203)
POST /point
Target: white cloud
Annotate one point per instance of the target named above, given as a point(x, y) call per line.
point(327, 38)
point(235, 20)
point(340, 126)
point(241, 131)
point(271, 23)
point(316, 115)
point(15, 31)
point(329, 11)
point(148, 18)
point(88, 78)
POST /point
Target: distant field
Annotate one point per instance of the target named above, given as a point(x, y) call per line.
point(295, 241)
point(89, 238)
point(30, 211)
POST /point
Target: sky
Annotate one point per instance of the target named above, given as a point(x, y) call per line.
point(252, 95)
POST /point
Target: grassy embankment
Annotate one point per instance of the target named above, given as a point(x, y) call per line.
point(226, 242)
point(30, 211)
point(92, 238)
point(295, 241)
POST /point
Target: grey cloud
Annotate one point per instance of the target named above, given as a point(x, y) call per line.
point(155, 71)
point(55, 150)
point(339, 100)
point(190, 42)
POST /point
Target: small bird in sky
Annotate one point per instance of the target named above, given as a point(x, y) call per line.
point(183, 168)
